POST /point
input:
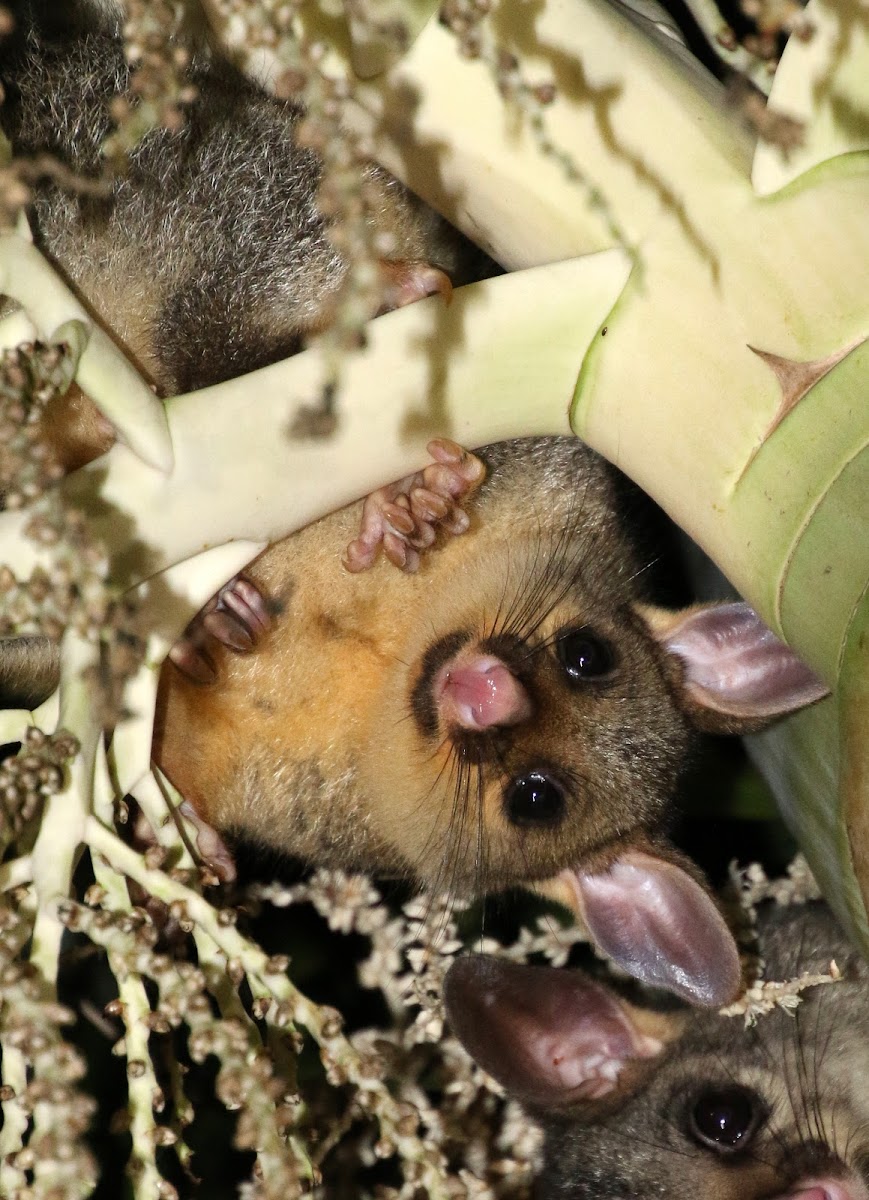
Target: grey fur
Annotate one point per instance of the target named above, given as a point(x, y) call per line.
point(29, 670)
point(209, 258)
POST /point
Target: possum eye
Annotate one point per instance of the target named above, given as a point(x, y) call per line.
point(725, 1119)
point(534, 799)
point(584, 654)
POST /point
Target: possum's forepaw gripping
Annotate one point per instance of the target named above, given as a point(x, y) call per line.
point(405, 517)
point(236, 617)
point(406, 281)
point(211, 846)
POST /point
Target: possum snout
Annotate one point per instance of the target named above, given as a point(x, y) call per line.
point(469, 685)
point(477, 691)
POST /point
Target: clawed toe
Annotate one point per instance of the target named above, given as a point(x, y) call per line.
point(400, 553)
point(211, 846)
point(399, 518)
point(193, 660)
point(427, 505)
point(242, 597)
point(228, 630)
point(237, 617)
point(405, 517)
point(406, 281)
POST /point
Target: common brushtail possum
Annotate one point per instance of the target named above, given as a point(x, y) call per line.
point(513, 713)
point(638, 1103)
point(208, 257)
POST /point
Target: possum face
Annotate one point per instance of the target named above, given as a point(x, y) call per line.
point(510, 715)
point(537, 734)
point(541, 747)
point(648, 1104)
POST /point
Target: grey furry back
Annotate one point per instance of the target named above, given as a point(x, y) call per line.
point(211, 233)
point(29, 670)
point(209, 257)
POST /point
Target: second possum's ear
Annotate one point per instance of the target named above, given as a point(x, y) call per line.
point(551, 1037)
point(736, 675)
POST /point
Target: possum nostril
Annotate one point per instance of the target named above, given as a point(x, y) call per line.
point(534, 799)
point(828, 1189)
point(823, 1175)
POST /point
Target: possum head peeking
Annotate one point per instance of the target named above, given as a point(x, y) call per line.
point(642, 1103)
point(511, 714)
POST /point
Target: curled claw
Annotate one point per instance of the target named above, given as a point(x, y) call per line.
point(227, 629)
point(192, 659)
point(237, 617)
point(243, 598)
point(427, 505)
point(455, 474)
point(405, 517)
point(466, 465)
point(400, 553)
point(399, 517)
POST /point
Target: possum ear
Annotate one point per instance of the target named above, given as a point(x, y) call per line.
point(736, 675)
point(551, 1037)
point(656, 922)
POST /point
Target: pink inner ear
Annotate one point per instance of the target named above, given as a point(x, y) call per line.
point(549, 1036)
point(659, 924)
point(735, 664)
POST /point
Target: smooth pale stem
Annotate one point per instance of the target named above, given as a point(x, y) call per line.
point(16, 873)
point(501, 361)
point(62, 830)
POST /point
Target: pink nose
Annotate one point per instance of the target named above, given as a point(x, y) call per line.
point(477, 691)
point(829, 1189)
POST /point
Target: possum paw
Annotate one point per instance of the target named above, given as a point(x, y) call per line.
point(216, 864)
point(236, 617)
point(405, 281)
point(211, 846)
point(405, 517)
